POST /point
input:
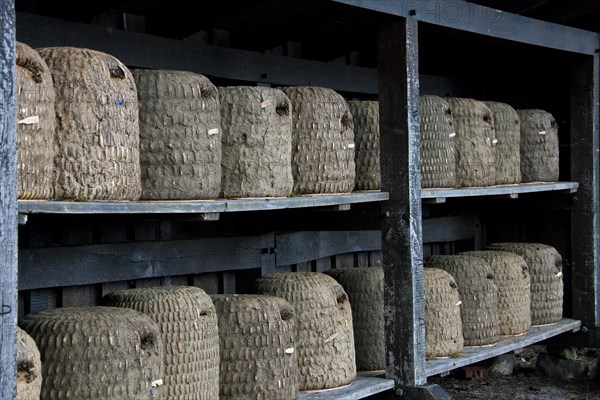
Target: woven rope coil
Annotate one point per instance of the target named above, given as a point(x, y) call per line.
point(187, 321)
point(322, 141)
point(180, 135)
point(513, 282)
point(545, 268)
point(478, 293)
point(364, 287)
point(438, 165)
point(96, 353)
point(257, 344)
point(97, 127)
point(36, 124)
point(443, 326)
point(29, 367)
point(325, 338)
point(539, 146)
point(365, 115)
point(507, 128)
point(257, 142)
point(475, 143)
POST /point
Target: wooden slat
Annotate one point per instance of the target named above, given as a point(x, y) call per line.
point(196, 206)
point(397, 58)
point(8, 203)
point(585, 219)
point(359, 389)
point(472, 355)
point(298, 247)
point(500, 190)
point(42, 299)
point(323, 264)
point(208, 282)
point(449, 229)
point(344, 260)
point(78, 296)
point(482, 20)
point(80, 265)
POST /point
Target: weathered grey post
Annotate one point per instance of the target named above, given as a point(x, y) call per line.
point(8, 202)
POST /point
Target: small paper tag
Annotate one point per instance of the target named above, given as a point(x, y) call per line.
point(459, 303)
point(290, 350)
point(542, 132)
point(330, 338)
point(559, 275)
point(158, 382)
point(494, 141)
point(213, 131)
point(452, 134)
point(351, 146)
point(265, 104)
point(30, 120)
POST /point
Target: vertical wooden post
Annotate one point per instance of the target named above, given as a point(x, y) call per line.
point(585, 222)
point(398, 68)
point(8, 202)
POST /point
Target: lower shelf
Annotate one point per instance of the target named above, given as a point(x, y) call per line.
point(471, 355)
point(363, 386)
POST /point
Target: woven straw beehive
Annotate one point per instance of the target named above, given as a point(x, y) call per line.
point(180, 137)
point(513, 282)
point(187, 321)
point(29, 367)
point(322, 141)
point(438, 165)
point(545, 268)
point(539, 146)
point(365, 115)
point(36, 124)
point(96, 353)
point(443, 327)
point(364, 287)
point(257, 142)
point(507, 128)
point(325, 339)
point(478, 293)
point(474, 146)
point(258, 347)
point(97, 127)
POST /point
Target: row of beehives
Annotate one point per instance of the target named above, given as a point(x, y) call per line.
point(88, 128)
point(301, 331)
point(176, 342)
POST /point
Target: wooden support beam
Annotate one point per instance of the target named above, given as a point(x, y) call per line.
point(585, 220)
point(397, 47)
point(8, 202)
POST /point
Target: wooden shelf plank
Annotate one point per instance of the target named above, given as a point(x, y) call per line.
point(197, 206)
point(512, 191)
point(363, 386)
point(505, 345)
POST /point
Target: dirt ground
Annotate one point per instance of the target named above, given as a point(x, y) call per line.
point(525, 383)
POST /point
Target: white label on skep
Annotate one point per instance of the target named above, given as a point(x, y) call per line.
point(452, 134)
point(559, 275)
point(290, 350)
point(30, 120)
point(213, 131)
point(157, 382)
point(459, 303)
point(265, 104)
point(542, 132)
point(351, 146)
point(330, 338)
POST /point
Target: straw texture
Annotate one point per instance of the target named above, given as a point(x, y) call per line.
point(365, 115)
point(545, 268)
point(539, 146)
point(257, 337)
point(478, 293)
point(475, 143)
point(507, 127)
point(257, 142)
point(326, 357)
point(187, 321)
point(29, 367)
point(438, 164)
point(443, 326)
point(364, 287)
point(96, 353)
point(97, 127)
point(322, 141)
point(513, 281)
point(180, 137)
point(35, 127)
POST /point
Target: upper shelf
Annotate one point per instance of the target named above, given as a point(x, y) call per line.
point(511, 191)
point(198, 206)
